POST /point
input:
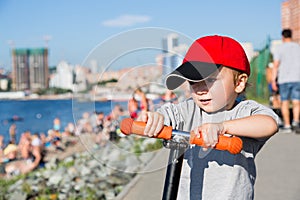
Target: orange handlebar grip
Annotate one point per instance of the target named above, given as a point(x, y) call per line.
point(138, 128)
point(232, 144)
point(128, 126)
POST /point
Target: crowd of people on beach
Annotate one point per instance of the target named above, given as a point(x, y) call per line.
point(21, 157)
point(29, 152)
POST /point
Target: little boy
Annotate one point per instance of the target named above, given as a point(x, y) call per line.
point(217, 70)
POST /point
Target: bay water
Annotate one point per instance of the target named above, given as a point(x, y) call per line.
point(38, 115)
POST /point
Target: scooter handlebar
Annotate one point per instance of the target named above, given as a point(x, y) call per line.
point(232, 144)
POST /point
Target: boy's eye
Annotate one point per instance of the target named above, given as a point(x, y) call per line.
point(192, 83)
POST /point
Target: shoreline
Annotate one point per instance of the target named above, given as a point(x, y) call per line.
point(121, 96)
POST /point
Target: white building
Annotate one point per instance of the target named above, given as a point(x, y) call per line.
point(94, 66)
point(63, 78)
point(4, 84)
point(80, 78)
point(172, 53)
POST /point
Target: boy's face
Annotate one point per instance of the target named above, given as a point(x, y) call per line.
point(217, 92)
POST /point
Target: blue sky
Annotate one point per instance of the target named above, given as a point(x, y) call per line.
point(75, 28)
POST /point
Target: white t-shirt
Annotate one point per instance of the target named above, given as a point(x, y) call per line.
point(215, 174)
point(36, 142)
point(288, 54)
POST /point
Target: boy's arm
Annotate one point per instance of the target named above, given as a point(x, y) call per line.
point(168, 115)
point(255, 126)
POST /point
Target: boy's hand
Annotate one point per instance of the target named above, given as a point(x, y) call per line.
point(210, 134)
point(154, 122)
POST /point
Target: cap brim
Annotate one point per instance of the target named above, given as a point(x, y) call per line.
point(190, 71)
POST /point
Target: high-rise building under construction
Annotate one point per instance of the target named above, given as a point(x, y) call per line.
point(30, 69)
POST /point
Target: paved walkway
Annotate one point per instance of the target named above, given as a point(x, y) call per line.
point(148, 186)
point(278, 168)
point(278, 173)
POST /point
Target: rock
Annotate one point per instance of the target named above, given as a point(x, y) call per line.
point(69, 159)
point(100, 194)
point(62, 196)
point(79, 185)
point(92, 164)
point(102, 185)
point(55, 179)
point(16, 186)
point(84, 171)
point(66, 188)
point(113, 180)
point(47, 174)
point(18, 195)
point(73, 172)
point(35, 188)
point(52, 163)
point(66, 179)
point(110, 194)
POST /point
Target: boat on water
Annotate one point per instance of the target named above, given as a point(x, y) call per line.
point(13, 119)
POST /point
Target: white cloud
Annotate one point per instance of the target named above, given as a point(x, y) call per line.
point(126, 20)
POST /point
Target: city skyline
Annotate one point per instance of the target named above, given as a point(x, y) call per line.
point(71, 30)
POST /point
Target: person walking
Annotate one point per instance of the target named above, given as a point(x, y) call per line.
point(286, 67)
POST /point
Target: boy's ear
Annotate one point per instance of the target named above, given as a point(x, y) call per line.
point(241, 83)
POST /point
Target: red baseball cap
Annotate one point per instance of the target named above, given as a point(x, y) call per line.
point(205, 56)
